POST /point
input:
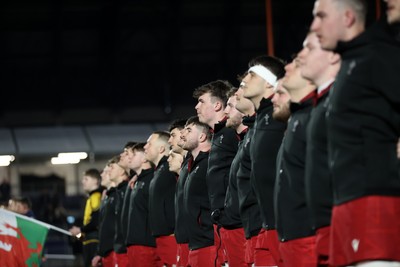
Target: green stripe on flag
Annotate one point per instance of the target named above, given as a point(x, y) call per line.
point(36, 235)
point(21, 240)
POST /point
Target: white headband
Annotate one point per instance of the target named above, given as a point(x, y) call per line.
point(264, 73)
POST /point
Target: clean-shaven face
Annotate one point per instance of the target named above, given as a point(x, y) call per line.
point(105, 177)
point(293, 80)
point(151, 149)
point(175, 136)
point(175, 161)
point(205, 109)
point(244, 105)
point(313, 59)
point(393, 11)
point(89, 183)
point(125, 157)
point(116, 172)
point(253, 86)
point(328, 23)
point(137, 159)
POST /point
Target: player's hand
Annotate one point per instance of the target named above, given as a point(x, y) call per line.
point(96, 261)
point(132, 181)
point(398, 149)
point(75, 230)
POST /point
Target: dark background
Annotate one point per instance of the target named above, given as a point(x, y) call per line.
point(79, 75)
point(88, 62)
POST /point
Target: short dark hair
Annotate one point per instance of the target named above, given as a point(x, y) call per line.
point(240, 77)
point(139, 147)
point(95, 173)
point(163, 135)
point(195, 120)
point(360, 7)
point(130, 144)
point(26, 201)
point(273, 64)
point(217, 89)
point(177, 123)
point(113, 160)
point(231, 92)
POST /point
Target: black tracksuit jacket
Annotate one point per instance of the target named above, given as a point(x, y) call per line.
point(139, 231)
point(223, 149)
point(318, 182)
point(248, 204)
point(264, 146)
point(125, 210)
point(230, 215)
point(363, 118)
point(181, 235)
point(107, 223)
point(162, 200)
point(120, 236)
point(291, 211)
point(197, 205)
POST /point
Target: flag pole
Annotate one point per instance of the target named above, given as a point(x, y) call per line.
point(270, 29)
point(49, 226)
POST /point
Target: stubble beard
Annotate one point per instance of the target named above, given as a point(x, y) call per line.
point(283, 114)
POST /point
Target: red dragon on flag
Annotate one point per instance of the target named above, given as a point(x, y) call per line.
point(21, 240)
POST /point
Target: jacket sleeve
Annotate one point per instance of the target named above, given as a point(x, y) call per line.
point(92, 213)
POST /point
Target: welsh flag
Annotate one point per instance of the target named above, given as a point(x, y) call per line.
point(21, 240)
